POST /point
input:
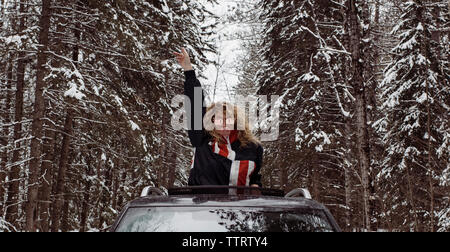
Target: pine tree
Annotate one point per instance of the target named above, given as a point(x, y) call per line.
point(305, 45)
point(414, 88)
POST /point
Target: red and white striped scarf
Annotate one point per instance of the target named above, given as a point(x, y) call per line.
point(240, 170)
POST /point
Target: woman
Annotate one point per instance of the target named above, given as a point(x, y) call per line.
point(224, 155)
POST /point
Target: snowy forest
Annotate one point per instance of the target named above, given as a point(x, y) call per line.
point(86, 89)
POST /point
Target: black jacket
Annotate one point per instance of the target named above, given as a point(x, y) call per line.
point(219, 164)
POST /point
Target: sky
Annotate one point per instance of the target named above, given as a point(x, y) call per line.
point(228, 53)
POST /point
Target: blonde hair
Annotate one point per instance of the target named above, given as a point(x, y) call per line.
point(245, 136)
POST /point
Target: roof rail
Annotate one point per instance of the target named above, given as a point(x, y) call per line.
point(299, 192)
point(149, 190)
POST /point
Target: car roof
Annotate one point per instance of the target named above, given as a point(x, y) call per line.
point(201, 196)
point(205, 200)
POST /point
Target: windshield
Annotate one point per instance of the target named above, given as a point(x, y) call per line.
point(202, 219)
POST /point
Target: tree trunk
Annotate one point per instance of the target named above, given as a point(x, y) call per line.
point(13, 190)
point(5, 139)
point(65, 217)
point(64, 159)
point(172, 170)
point(315, 178)
point(372, 113)
point(115, 182)
point(436, 37)
point(122, 181)
point(105, 198)
point(357, 81)
point(46, 174)
point(161, 168)
point(348, 199)
point(164, 151)
point(86, 199)
point(347, 176)
point(411, 199)
point(429, 166)
point(63, 163)
point(99, 167)
point(50, 145)
point(65, 212)
point(38, 114)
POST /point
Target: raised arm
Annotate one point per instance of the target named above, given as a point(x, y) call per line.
point(191, 84)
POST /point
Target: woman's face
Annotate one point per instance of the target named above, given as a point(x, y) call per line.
point(223, 125)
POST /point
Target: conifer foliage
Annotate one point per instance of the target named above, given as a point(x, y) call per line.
point(85, 115)
point(364, 123)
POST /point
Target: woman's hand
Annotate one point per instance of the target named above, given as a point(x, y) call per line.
point(184, 60)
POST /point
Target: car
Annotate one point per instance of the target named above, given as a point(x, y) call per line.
point(224, 209)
